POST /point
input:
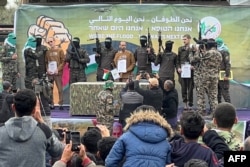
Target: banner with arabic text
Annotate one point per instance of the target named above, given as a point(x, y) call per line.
point(127, 22)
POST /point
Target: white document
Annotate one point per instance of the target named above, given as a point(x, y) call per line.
point(115, 74)
point(52, 66)
point(186, 70)
point(122, 65)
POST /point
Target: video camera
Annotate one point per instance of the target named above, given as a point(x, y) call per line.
point(205, 43)
point(43, 85)
point(201, 44)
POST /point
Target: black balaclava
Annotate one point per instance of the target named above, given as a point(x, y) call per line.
point(76, 42)
point(108, 42)
point(169, 46)
point(143, 40)
point(38, 40)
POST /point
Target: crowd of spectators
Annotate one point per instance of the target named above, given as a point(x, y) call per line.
point(147, 140)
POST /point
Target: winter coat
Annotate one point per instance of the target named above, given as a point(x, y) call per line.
point(144, 143)
point(170, 104)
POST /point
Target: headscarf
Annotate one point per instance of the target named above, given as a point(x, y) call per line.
point(221, 46)
point(11, 40)
point(31, 43)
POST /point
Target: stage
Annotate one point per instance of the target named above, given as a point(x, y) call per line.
point(63, 118)
point(243, 114)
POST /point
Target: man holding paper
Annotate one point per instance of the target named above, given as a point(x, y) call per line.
point(124, 61)
point(185, 71)
point(54, 60)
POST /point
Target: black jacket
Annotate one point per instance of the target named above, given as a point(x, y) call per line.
point(6, 111)
point(215, 142)
point(170, 104)
point(3, 94)
point(212, 140)
point(152, 97)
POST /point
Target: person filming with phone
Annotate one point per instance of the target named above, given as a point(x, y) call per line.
point(152, 96)
point(25, 138)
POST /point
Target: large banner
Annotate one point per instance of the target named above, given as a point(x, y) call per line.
point(127, 22)
point(239, 2)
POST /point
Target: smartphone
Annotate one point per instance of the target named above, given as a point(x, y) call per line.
point(60, 132)
point(75, 137)
point(130, 78)
point(67, 137)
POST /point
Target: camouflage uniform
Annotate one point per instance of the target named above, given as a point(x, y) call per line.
point(32, 65)
point(77, 64)
point(195, 60)
point(230, 139)
point(105, 113)
point(35, 70)
point(144, 59)
point(223, 86)
point(105, 61)
point(9, 65)
point(168, 64)
point(209, 73)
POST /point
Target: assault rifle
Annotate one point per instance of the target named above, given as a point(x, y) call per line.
point(160, 42)
point(199, 41)
point(97, 49)
point(149, 45)
point(73, 46)
point(199, 36)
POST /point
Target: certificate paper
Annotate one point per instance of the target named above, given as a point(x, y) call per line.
point(223, 74)
point(186, 71)
point(122, 65)
point(115, 74)
point(52, 66)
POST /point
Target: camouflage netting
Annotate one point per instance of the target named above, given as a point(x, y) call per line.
point(83, 97)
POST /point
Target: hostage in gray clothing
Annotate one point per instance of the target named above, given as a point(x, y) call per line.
point(24, 139)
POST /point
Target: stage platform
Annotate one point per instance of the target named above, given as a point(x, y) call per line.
point(243, 114)
point(63, 118)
